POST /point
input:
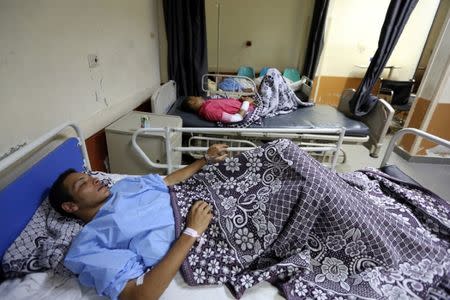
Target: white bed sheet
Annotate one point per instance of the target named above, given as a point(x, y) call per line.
point(46, 285)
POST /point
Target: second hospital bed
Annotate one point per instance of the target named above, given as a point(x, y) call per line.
point(370, 130)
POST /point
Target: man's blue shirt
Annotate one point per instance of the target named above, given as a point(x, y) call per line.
point(131, 232)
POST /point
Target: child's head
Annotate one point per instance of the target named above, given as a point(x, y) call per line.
point(192, 104)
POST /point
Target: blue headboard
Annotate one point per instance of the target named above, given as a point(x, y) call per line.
point(20, 199)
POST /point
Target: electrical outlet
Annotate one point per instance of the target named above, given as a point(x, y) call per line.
point(92, 60)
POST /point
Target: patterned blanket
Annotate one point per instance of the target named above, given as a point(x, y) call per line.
point(275, 97)
point(280, 216)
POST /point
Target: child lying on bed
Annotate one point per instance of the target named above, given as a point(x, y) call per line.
point(225, 110)
point(274, 97)
point(279, 215)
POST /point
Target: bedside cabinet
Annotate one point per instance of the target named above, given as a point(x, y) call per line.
point(124, 160)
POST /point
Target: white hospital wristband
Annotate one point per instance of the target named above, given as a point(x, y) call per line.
point(245, 105)
point(191, 232)
point(208, 158)
point(140, 279)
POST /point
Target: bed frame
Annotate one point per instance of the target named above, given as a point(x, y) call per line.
point(239, 148)
point(217, 78)
point(304, 85)
point(234, 145)
point(20, 198)
point(378, 120)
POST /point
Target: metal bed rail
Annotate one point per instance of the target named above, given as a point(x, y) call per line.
point(269, 133)
point(219, 77)
point(206, 141)
point(16, 156)
point(414, 131)
point(340, 132)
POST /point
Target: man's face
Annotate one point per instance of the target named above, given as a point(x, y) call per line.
point(86, 191)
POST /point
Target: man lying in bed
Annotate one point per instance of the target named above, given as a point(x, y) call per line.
point(131, 225)
point(279, 216)
point(225, 110)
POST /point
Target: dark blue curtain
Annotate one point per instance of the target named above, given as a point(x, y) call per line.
point(186, 42)
point(396, 18)
point(315, 39)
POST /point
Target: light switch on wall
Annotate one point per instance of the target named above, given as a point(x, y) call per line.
point(93, 60)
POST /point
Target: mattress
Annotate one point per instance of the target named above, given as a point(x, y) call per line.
point(45, 285)
point(318, 116)
point(395, 172)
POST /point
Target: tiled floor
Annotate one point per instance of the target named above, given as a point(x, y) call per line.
point(432, 176)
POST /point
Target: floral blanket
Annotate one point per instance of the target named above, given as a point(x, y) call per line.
point(276, 95)
point(280, 216)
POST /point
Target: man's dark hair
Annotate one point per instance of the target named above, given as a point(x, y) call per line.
point(59, 194)
point(186, 104)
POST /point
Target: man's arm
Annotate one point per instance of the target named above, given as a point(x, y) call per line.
point(158, 279)
point(184, 173)
point(217, 152)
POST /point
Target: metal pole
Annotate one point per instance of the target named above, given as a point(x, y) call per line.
point(233, 149)
point(168, 150)
point(139, 151)
point(249, 130)
point(218, 37)
point(338, 146)
point(414, 131)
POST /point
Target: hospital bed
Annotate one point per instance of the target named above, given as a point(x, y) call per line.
point(26, 176)
point(369, 130)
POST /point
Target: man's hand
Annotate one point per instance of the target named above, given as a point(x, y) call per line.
point(158, 279)
point(199, 216)
point(217, 152)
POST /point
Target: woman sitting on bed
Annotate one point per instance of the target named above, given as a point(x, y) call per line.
point(225, 110)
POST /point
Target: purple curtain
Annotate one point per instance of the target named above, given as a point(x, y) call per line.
point(315, 39)
point(186, 43)
point(396, 18)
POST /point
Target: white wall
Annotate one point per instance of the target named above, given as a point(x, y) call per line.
point(163, 70)
point(441, 14)
point(352, 36)
point(44, 74)
point(436, 67)
point(446, 92)
point(278, 31)
point(435, 87)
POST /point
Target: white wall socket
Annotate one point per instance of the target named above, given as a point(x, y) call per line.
point(92, 60)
